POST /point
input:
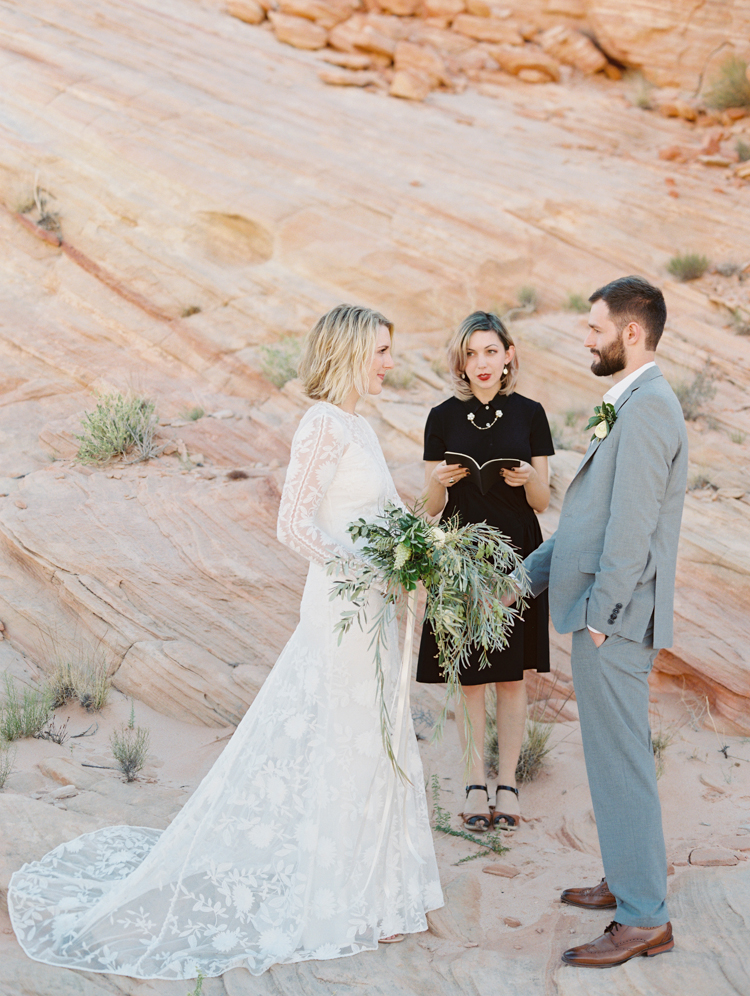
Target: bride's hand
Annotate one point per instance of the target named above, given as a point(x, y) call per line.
point(448, 474)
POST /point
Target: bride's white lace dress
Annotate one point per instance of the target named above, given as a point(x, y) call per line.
point(300, 842)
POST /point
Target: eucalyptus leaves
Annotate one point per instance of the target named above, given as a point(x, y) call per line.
point(465, 571)
point(602, 420)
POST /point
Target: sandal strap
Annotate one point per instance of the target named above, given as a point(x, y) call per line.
point(506, 788)
point(482, 788)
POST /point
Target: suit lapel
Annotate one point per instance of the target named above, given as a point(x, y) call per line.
point(594, 445)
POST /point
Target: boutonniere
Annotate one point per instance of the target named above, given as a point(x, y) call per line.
point(602, 420)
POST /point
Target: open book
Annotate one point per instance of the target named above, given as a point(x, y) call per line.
point(486, 475)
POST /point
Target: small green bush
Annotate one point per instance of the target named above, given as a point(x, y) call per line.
point(192, 309)
point(130, 748)
point(693, 396)
point(740, 322)
point(743, 150)
point(400, 377)
point(25, 715)
point(193, 414)
point(86, 682)
point(7, 760)
point(699, 481)
point(577, 302)
point(688, 266)
point(528, 298)
point(117, 426)
point(730, 86)
point(279, 362)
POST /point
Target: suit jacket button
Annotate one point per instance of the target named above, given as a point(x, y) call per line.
point(618, 605)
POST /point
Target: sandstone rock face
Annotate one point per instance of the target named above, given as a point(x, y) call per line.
point(425, 61)
point(487, 29)
point(411, 84)
point(328, 14)
point(298, 31)
point(246, 10)
point(573, 49)
point(517, 60)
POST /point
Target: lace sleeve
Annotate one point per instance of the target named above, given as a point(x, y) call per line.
point(317, 448)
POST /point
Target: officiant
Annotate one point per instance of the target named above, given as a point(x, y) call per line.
point(488, 420)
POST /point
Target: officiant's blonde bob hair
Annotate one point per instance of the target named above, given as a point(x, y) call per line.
point(479, 321)
point(338, 351)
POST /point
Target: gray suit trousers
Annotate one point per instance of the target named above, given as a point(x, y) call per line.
point(611, 686)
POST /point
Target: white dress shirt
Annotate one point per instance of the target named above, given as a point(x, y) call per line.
point(611, 398)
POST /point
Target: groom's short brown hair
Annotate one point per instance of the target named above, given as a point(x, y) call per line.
point(633, 299)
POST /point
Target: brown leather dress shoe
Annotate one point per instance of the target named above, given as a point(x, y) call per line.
point(619, 943)
point(595, 897)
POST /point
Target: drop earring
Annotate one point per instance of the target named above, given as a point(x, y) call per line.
point(505, 371)
point(463, 376)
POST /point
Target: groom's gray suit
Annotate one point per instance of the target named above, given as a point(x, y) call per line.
point(611, 566)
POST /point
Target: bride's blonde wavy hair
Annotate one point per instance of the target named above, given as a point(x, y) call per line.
point(479, 321)
point(338, 351)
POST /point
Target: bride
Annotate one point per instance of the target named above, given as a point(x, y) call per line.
point(301, 842)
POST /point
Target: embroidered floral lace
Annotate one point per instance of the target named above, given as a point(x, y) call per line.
point(300, 842)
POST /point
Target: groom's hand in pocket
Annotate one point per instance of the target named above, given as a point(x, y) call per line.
point(598, 638)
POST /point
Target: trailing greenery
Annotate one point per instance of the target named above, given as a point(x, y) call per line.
point(198, 991)
point(279, 363)
point(118, 425)
point(693, 396)
point(688, 266)
point(489, 842)
point(730, 86)
point(85, 682)
point(130, 747)
point(23, 715)
point(466, 573)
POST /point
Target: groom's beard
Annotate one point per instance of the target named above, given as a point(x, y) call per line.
point(610, 360)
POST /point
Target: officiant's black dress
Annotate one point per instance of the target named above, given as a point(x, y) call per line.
point(522, 432)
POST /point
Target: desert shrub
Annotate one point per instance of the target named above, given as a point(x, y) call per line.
point(699, 481)
point(400, 377)
point(192, 309)
point(118, 425)
point(198, 991)
point(193, 414)
point(740, 322)
point(738, 437)
point(660, 741)
point(743, 150)
point(576, 302)
point(693, 396)
point(130, 747)
point(279, 362)
point(729, 86)
point(534, 749)
point(528, 298)
point(56, 734)
point(688, 266)
point(86, 682)
point(23, 715)
point(7, 760)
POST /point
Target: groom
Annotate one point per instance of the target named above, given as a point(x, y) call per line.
point(610, 568)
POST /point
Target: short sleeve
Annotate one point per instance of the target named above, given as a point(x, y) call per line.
point(434, 439)
point(540, 436)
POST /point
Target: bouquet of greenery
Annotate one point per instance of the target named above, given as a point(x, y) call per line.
point(466, 572)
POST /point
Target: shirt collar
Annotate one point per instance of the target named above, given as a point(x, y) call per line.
point(618, 389)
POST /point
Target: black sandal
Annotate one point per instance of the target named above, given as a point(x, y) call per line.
point(504, 821)
point(477, 822)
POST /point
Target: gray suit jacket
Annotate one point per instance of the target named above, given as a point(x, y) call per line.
point(611, 563)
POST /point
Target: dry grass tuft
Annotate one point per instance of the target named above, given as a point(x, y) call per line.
point(687, 266)
point(730, 86)
point(23, 715)
point(118, 425)
point(279, 363)
point(694, 396)
point(86, 682)
point(130, 747)
point(7, 760)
